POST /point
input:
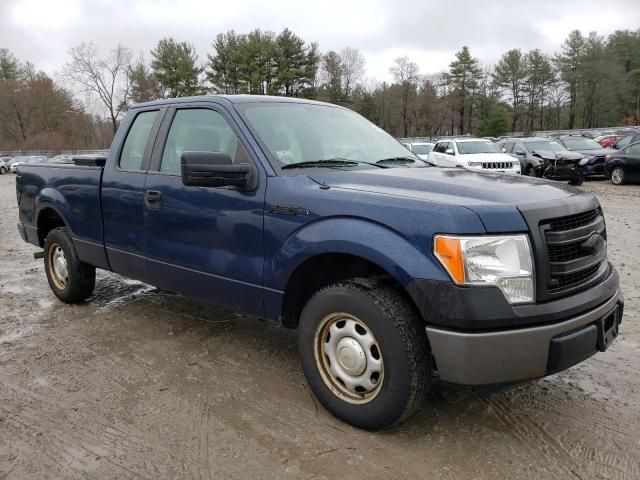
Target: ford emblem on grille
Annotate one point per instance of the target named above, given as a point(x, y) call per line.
point(593, 245)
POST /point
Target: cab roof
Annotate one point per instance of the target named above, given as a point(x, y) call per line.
point(232, 99)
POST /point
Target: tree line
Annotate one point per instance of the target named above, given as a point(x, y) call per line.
point(591, 81)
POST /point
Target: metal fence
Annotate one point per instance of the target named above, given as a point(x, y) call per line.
point(49, 153)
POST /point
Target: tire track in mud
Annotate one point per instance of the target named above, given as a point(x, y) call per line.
point(541, 445)
point(77, 444)
point(567, 454)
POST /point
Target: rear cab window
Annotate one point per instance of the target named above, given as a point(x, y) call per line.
point(135, 145)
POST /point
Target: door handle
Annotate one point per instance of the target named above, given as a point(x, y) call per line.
point(153, 199)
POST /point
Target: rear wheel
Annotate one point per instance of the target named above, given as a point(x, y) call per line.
point(70, 279)
point(3, 170)
point(530, 171)
point(617, 176)
point(365, 353)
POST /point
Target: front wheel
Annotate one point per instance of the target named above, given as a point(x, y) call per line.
point(70, 279)
point(3, 170)
point(577, 182)
point(365, 353)
point(617, 176)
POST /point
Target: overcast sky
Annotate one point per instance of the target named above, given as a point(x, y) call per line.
point(430, 32)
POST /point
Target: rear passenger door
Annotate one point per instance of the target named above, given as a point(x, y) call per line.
point(203, 241)
point(123, 187)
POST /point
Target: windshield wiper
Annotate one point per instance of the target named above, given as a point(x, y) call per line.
point(330, 162)
point(403, 160)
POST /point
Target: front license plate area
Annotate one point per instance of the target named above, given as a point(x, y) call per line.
point(608, 329)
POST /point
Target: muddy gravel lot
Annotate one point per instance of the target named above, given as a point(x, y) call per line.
point(141, 383)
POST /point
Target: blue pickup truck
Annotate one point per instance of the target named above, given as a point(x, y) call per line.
point(393, 272)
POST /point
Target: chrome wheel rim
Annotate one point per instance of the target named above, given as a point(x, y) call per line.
point(349, 358)
point(58, 266)
point(616, 176)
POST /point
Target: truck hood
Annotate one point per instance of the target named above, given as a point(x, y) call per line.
point(493, 197)
point(448, 185)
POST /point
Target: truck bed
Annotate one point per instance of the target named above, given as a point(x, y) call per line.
point(73, 193)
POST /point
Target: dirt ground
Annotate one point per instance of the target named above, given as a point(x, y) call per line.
point(139, 383)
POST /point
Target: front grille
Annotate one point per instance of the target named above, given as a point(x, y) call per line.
point(495, 165)
point(572, 221)
point(576, 250)
point(574, 279)
point(563, 253)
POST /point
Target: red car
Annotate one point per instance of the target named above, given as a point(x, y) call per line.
point(607, 141)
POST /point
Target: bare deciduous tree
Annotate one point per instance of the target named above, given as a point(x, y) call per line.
point(107, 78)
point(353, 63)
point(405, 73)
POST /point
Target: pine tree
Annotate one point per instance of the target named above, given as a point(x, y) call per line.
point(568, 63)
point(175, 68)
point(463, 73)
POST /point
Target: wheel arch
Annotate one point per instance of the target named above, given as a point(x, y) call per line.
point(48, 218)
point(320, 261)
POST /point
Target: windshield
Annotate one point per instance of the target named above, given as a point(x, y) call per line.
point(581, 143)
point(480, 146)
point(422, 149)
point(299, 132)
point(549, 145)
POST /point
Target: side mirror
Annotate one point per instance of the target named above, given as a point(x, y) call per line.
point(520, 154)
point(449, 151)
point(214, 169)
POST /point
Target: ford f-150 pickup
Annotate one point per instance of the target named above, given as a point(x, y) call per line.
point(393, 272)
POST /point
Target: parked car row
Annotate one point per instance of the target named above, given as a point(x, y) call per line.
point(10, 164)
point(569, 158)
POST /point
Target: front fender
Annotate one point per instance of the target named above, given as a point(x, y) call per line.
point(354, 236)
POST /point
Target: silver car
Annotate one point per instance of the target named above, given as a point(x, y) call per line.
point(4, 165)
point(17, 161)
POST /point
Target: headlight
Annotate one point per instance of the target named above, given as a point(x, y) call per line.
point(475, 164)
point(503, 261)
point(584, 161)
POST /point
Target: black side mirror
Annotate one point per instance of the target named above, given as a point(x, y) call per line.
point(214, 169)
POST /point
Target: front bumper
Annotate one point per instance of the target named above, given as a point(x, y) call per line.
point(563, 170)
point(505, 171)
point(514, 355)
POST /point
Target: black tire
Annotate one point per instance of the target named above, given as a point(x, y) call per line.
point(3, 170)
point(530, 171)
point(617, 176)
point(81, 277)
point(403, 348)
point(577, 182)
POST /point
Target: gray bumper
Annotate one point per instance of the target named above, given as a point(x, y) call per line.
point(504, 356)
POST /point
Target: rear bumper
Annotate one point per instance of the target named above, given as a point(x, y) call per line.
point(29, 234)
point(515, 355)
point(21, 231)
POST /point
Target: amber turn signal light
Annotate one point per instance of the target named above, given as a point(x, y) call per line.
point(449, 252)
